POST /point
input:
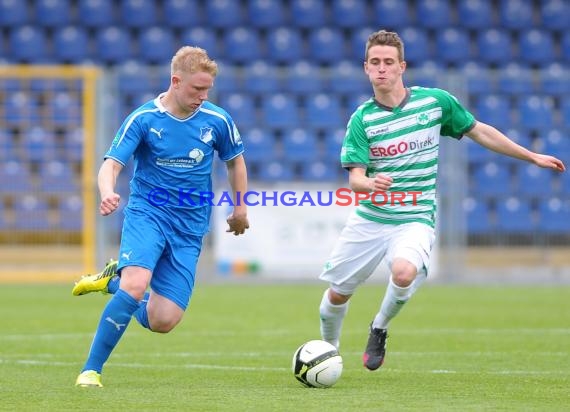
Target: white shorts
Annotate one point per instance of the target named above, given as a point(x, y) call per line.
point(363, 244)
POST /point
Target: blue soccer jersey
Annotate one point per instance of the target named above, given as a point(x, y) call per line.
point(173, 161)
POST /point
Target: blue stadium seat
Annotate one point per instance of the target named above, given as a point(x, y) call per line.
point(516, 79)
point(320, 171)
point(265, 14)
point(478, 79)
point(242, 45)
point(495, 110)
point(241, 107)
point(71, 45)
point(284, 45)
point(324, 110)
point(15, 177)
point(477, 154)
point(565, 110)
point(536, 112)
point(304, 78)
point(39, 145)
point(259, 144)
point(64, 110)
point(453, 45)
point(433, 14)
point(534, 181)
point(28, 44)
point(21, 109)
point(308, 14)
point(156, 45)
point(494, 46)
point(73, 145)
point(224, 14)
point(113, 45)
point(554, 216)
point(203, 37)
point(515, 215)
point(280, 111)
point(427, 74)
point(356, 100)
point(261, 78)
point(299, 144)
point(228, 80)
point(554, 142)
point(96, 13)
point(31, 213)
point(276, 171)
point(52, 13)
point(357, 43)
point(417, 44)
point(349, 14)
point(564, 184)
point(56, 176)
point(475, 14)
point(180, 14)
point(555, 14)
point(138, 14)
point(392, 14)
point(348, 78)
point(555, 79)
point(478, 216)
point(565, 46)
point(13, 13)
point(536, 47)
point(492, 179)
point(135, 77)
point(333, 144)
point(326, 45)
point(516, 14)
point(8, 148)
point(70, 210)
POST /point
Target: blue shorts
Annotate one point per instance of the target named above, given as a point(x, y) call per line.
point(170, 256)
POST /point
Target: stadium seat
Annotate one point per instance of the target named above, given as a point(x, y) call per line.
point(71, 45)
point(13, 13)
point(326, 45)
point(535, 112)
point(515, 215)
point(180, 14)
point(554, 215)
point(356, 100)
point(357, 42)
point(492, 179)
point(324, 110)
point(134, 77)
point(349, 14)
point(478, 79)
point(31, 213)
point(8, 148)
point(28, 44)
point(417, 43)
point(475, 14)
point(516, 79)
point(224, 14)
point(304, 78)
point(565, 46)
point(241, 107)
point(64, 110)
point(433, 14)
point(533, 181)
point(242, 45)
point(299, 145)
point(21, 109)
point(495, 110)
point(320, 171)
point(56, 176)
point(515, 14)
point(276, 171)
point(138, 13)
point(392, 14)
point(554, 142)
point(280, 111)
point(494, 46)
point(555, 14)
point(228, 80)
point(536, 47)
point(202, 37)
point(284, 46)
point(453, 45)
point(555, 79)
point(565, 111)
point(308, 14)
point(156, 45)
point(478, 216)
point(39, 145)
point(113, 45)
point(52, 13)
point(333, 144)
point(259, 144)
point(477, 154)
point(70, 210)
point(348, 78)
point(96, 13)
point(73, 145)
point(265, 14)
point(15, 177)
point(261, 78)
point(427, 74)
point(564, 184)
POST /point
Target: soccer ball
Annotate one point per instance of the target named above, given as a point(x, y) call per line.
point(196, 154)
point(317, 364)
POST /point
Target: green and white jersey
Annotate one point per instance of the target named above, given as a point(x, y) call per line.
point(403, 143)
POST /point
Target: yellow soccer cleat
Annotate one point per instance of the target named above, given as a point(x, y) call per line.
point(97, 282)
point(89, 379)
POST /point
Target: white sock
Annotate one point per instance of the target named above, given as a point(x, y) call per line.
point(394, 299)
point(331, 319)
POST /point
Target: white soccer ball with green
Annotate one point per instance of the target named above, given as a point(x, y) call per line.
point(317, 364)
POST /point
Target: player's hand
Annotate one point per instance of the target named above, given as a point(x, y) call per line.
point(549, 162)
point(109, 203)
point(238, 223)
point(381, 183)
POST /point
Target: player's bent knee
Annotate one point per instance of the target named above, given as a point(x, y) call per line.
point(337, 299)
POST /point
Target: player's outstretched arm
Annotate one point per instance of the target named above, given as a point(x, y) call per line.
point(494, 140)
point(237, 176)
point(107, 180)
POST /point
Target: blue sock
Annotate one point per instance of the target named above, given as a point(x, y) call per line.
point(141, 315)
point(114, 321)
point(113, 285)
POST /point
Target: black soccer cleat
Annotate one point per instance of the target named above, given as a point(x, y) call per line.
point(373, 356)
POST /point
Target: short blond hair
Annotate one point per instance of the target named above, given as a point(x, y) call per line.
point(189, 59)
point(385, 38)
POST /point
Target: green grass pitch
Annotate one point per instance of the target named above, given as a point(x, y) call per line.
point(457, 348)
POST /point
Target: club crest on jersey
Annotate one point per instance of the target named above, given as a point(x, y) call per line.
point(206, 134)
point(423, 119)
